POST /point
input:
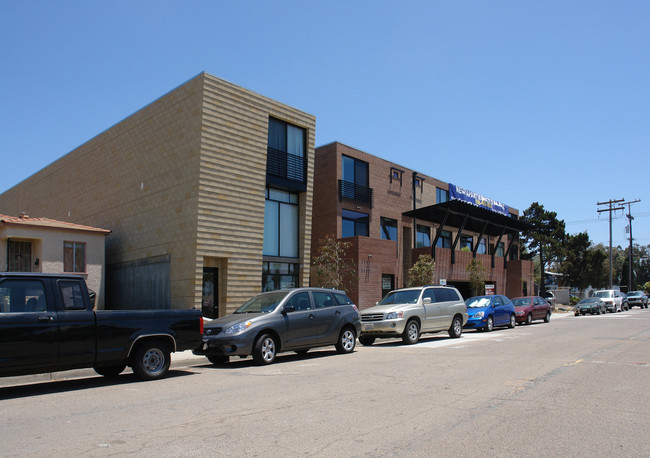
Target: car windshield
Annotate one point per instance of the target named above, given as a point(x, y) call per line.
point(476, 302)
point(605, 294)
point(401, 297)
point(635, 294)
point(521, 301)
point(265, 302)
point(590, 300)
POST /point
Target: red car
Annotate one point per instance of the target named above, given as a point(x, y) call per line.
point(531, 308)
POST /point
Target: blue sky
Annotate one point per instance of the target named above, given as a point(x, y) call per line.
point(520, 101)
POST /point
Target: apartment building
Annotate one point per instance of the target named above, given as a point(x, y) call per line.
point(391, 215)
point(207, 193)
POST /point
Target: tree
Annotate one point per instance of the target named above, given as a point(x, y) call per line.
point(333, 267)
point(477, 277)
point(421, 273)
point(545, 239)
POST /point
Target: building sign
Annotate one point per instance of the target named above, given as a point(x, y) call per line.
point(473, 198)
point(489, 289)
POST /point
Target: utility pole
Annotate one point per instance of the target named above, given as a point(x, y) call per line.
point(610, 210)
point(630, 283)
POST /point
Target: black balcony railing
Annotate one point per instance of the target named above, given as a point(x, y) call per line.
point(285, 165)
point(354, 192)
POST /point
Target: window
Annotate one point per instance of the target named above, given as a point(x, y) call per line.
point(418, 182)
point(72, 295)
point(514, 253)
point(74, 257)
point(500, 249)
point(396, 175)
point(286, 148)
point(482, 246)
point(299, 301)
point(281, 224)
point(279, 275)
point(388, 228)
point(19, 296)
point(19, 256)
point(442, 195)
point(354, 223)
point(444, 239)
point(355, 182)
point(322, 300)
point(422, 236)
point(342, 299)
point(467, 241)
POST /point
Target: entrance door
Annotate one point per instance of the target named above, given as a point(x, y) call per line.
point(387, 284)
point(19, 256)
point(210, 296)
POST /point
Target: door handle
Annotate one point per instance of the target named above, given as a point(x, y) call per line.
point(45, 318)
point(311, 315)
point(338, 312)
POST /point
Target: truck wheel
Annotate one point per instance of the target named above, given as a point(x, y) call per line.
point(110, 371)
point(151, 360)
point(456, 328)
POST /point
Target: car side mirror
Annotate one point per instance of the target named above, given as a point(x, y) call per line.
point(426, 300)
point(288, 309)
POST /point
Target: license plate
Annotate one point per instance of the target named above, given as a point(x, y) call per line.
point(368, 327)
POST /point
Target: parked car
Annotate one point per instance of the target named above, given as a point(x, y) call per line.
point(531, 308)
point(47, 324)
point(591, 305)
point(625, 305)
point(550, 298)
point(409, 312)
point(612, 298)
point(287, 320)
point(638, 298)
point(486, 312)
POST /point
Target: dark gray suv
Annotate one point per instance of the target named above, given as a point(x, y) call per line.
point(287, 320)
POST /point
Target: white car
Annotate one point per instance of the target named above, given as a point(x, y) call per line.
point(613, 299)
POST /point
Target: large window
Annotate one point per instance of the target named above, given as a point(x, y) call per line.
point(467, 241)
point(281, 224)
point(442, 195)
point(500, 249)
point(74, 257)
point(482, 247)
point(388, 228)
point(286, 148)
point(422, 236)
point(444, 240)
point(279, 275)
point(354, 223)
point(355, 182)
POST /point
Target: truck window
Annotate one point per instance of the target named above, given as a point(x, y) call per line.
point(72, 296)
point(19, 296)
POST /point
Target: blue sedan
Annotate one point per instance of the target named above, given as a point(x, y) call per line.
point(486, 312)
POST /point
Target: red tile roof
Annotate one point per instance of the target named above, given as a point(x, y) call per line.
point(25, 220)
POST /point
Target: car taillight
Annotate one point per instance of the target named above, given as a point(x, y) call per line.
point(201, 325)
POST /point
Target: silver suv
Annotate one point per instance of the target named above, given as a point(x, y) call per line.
point(409, 312)
point(287, 320)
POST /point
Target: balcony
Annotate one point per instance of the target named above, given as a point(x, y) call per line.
point(355, 193)
point(286, 166)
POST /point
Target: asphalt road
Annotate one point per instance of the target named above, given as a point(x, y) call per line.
point(577, 386)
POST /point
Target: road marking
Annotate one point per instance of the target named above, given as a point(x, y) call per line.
point(575, 363)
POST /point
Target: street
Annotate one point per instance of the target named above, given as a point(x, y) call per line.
point(576, 386)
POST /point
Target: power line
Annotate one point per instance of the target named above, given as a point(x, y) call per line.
point(610, 210)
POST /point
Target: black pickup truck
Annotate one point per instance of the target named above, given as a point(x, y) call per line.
point(47, 324)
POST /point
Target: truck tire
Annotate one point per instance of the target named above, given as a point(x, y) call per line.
point(151, 360)
point(110, 371)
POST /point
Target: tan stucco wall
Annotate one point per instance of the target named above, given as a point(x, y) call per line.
point(47, 247)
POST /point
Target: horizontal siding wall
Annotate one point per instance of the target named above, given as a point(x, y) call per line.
point(232, 186)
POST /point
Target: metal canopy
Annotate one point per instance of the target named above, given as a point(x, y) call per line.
point(480, 220)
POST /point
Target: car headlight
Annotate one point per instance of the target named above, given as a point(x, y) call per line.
point(237, 328)
point(479, 314)
point(394, 315)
